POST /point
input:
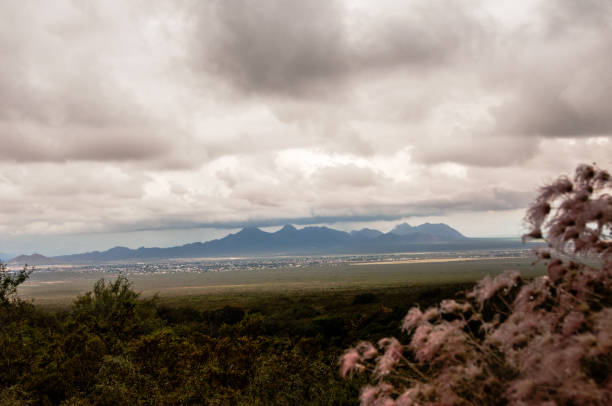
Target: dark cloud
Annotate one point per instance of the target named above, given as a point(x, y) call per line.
point(297, 48)
point(273, 222)
point(24, 143)
point(568, 15)
point(578, 107)
point(489, 198)
point(276, 46)
point(478, 150)
point(424, 35)
point(558, 73)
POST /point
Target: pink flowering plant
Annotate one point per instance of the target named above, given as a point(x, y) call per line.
point(510, 341)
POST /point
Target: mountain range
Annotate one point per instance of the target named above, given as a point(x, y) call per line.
point(292, 241)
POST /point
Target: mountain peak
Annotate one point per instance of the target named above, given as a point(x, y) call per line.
point(366, 233)
point(288, 227)
point(249, 228)
point(119, 248)
point(250, 231)
point(441, 229)
point(403, 229)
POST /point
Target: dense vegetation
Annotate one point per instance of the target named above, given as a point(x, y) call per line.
point(112, 348)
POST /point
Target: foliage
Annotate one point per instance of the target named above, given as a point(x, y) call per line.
point(110, 347)
point(9, 282)
point(510, 341)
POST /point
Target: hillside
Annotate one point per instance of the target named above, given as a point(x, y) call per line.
point(34, 259)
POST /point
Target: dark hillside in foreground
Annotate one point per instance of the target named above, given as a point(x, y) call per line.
point(274, 350)
point(252, 241)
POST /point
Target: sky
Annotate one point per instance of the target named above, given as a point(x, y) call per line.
point(158, 122)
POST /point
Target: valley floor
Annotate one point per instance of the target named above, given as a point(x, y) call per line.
point(55, 288)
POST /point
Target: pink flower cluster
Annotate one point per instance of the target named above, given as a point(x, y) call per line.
point(546, 341)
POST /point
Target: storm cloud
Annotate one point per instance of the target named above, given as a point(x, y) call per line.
point(296, 48)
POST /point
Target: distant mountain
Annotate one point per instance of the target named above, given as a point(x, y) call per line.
point(34, 259)
point(366, 233)
point(252, 241)
point(440, 231)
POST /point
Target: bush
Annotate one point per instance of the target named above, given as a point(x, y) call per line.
point(9, 282)
point(113, 310)
point(509, 341)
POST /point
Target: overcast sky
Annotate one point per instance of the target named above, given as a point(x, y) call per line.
point(160, 122)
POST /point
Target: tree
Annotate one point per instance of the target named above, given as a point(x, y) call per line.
point(110, 309)
point(9, 281)
point(510, 341)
